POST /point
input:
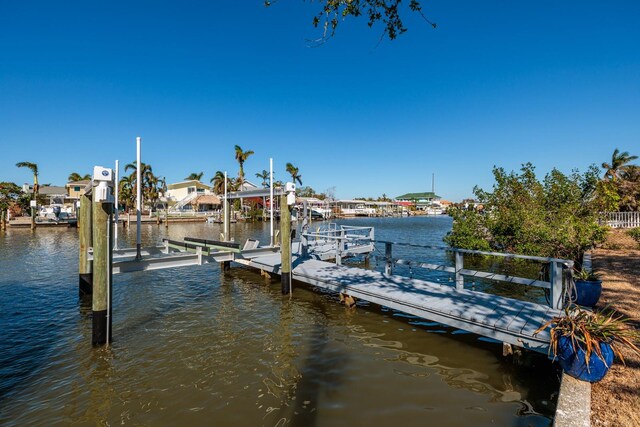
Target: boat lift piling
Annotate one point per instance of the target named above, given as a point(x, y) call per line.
point(85, 233)
point(102, 235)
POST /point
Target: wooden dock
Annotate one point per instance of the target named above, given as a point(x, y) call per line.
point(503, 319)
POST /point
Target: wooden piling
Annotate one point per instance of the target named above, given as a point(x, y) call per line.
point(85, 231)
point(33, 218)
point(285, 245)
point(102, 261)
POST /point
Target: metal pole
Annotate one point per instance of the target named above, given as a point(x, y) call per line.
point(271, 201)
point(109, 256)
point(85, 231)
point(388, 266)
point(227, 220)
point(138, 200)
point(117, 203)
point(459, 266)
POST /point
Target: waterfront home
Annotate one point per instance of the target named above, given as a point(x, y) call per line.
point(426, 201)
point(75, 189)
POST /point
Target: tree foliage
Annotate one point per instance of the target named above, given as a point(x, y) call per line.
point(619, 189)
point(75, 176)
point(555, 217)
point(389, 13)
point(295, 173)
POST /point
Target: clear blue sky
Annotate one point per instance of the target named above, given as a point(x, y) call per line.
point(556, 83)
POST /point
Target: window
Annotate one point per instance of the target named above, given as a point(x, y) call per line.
point(76, 188)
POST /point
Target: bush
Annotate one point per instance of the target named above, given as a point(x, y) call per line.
point(557, 217)
point(635, 234)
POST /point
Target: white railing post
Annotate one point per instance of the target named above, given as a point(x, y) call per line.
point(339, 248)
point(388, 270)
point(459, 267)
point(555, 277)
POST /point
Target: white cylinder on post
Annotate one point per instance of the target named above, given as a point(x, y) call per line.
point(117, 202)
point(271, 200)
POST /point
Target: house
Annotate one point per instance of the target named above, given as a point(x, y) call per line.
point(421, 201)
point(187, 190)
point(75, 189)
point(53, 193)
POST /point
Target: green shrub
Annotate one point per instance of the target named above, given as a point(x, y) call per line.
point(635, 234)
point(557, 217)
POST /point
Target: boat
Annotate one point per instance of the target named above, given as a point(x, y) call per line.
point(57, 215)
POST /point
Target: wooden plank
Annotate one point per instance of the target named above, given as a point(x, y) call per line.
point(491, 316)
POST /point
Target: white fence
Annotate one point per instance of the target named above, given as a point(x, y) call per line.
point(622, 219)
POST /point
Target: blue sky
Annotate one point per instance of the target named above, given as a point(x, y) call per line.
point(556, 83)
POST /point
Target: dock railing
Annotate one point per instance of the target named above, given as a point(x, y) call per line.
point(345, 238)
point(555, 285)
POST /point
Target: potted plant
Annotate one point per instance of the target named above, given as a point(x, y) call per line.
point(588, 287)
point(586, 342)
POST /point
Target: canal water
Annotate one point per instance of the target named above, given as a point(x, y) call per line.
point(195, 346)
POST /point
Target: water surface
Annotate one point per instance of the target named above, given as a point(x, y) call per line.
point(195, 346)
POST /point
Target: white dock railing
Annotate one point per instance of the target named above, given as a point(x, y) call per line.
point(622, 219)
point(555, 285)
point(364, 236)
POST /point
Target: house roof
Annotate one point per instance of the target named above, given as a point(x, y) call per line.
point(418, 196)
point(208, 199)
point(81, 183)
point(50, 190)
point(189, 183)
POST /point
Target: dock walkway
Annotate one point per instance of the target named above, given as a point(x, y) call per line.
point(503, 319)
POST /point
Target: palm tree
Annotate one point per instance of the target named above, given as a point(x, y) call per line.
point(218, 182)
point(34, 169)
point(264, 176)
point(618, 164)
point(126, 192)
point(75, 176)
point(149, 181)
point(293, 171)
point(194, 176)
point(241, 157)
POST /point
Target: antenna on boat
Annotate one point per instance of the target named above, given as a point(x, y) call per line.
point(433, 183)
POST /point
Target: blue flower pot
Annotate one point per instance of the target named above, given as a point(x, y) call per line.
point(588, 292)
point(573, 363)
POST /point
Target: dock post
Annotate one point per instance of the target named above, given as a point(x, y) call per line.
point(339, 244)
point(556, 285)
point(34, 205)
point(459, 266)
point(285, 245)
point(102, 265)
point(388, 270)
point(85, 231)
